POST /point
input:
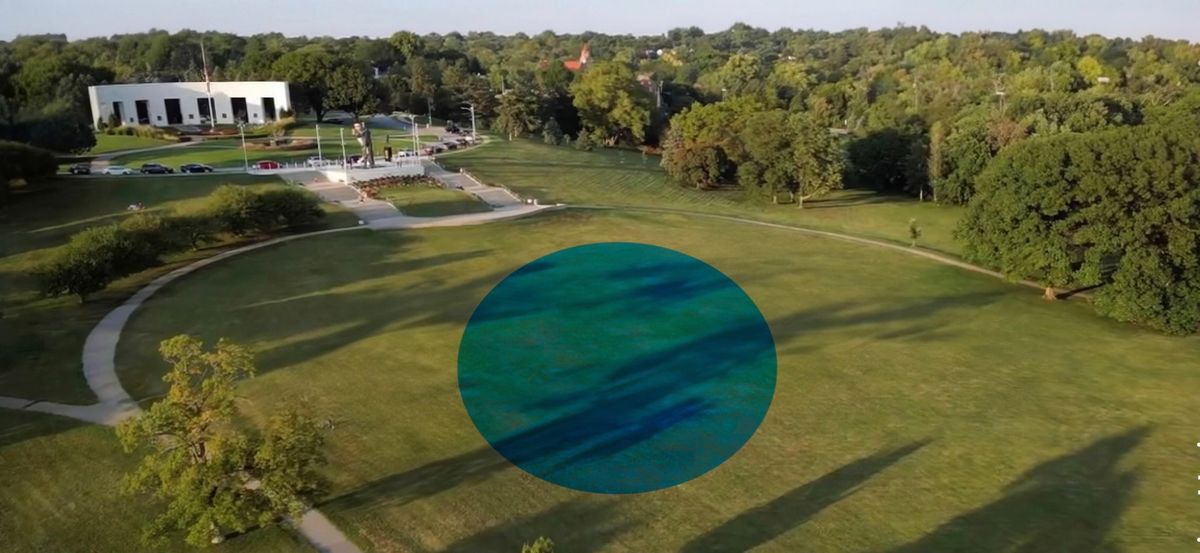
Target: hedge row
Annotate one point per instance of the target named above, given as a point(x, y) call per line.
point(95, 257)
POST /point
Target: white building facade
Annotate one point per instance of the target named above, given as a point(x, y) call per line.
point(165, 104)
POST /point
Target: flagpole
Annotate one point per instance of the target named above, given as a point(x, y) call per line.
point(212, 106)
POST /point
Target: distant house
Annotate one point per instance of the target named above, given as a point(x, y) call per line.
point(585, 57)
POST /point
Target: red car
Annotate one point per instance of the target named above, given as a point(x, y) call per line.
point(267, 164)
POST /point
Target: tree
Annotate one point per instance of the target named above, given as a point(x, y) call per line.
point(408, 44)
point(350, 90)
point(818, 158)
point(91, 260)
point(1118, 209)
point(518, 112)
point(612, 102)
point(540, 545)
point(308, 71)
point(424, 81)
point(61, 130)
point(214, 476)
point(936, 164)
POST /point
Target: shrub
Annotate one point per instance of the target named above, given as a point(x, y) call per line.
point(236, 209)
point(193, 229)
point(289, 207)
point(90, 261)
point(149, 237)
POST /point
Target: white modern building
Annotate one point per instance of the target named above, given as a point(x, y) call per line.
point(163, 104)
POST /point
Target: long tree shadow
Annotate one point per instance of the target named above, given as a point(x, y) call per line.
point(1065, 505)
point(424, 481)
point(766, 522)
point(578, 526)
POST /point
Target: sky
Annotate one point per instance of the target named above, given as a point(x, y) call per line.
point(1178, 19)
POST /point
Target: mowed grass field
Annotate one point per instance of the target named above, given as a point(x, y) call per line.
point(918, 407)
point(624, 178)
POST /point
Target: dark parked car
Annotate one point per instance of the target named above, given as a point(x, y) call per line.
point(195, 168)
point(155, 169)
point(80, 169)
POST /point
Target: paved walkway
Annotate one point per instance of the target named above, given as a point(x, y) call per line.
point(494, 196)
point(367, 209)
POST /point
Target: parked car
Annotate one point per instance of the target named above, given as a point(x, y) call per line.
point(80, 169)
point(195, 168)
point(155, 169)
point(316, 161)
point(117, 170)
point(267, 164)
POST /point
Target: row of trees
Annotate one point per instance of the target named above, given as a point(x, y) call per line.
point(903, 78)
point(95, 257)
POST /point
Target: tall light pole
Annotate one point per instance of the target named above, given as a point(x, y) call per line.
point(245, 157)
point(342, 137)
point(320, 158)
point(472, 108)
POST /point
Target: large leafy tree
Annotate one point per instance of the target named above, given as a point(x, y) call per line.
point(1118, 209)
point(789, 153)
point(351, 90)
point(215, 476)
point(612, 103)
point(518, 112)
point(308, 71)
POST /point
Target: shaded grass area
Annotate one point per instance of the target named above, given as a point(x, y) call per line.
point(432, 201)
point(918, 407)
point(106, 143)
point(60, 491)
point(41, 338)
point(623, 178)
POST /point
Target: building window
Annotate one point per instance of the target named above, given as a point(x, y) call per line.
point(191, 116)
point(256, 116)
point(223, 116)
point(159, 117)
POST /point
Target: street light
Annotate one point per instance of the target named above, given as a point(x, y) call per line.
point(412, 123)
point(472, 108)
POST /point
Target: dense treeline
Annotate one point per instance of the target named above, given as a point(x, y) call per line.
point(968, 119)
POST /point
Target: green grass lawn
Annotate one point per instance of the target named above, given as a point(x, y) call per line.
point(60, 491)
point(918, 407)
point(106, 143)
point(41, 338)
point(432, 201)
point(623, 178)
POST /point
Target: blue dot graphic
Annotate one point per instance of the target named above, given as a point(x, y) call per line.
point(617, 368)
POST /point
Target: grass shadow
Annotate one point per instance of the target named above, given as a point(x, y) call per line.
point(578, 526)
point(768, 521)
point(1065, 505)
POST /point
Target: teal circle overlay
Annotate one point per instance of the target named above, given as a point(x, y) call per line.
point(617, 368)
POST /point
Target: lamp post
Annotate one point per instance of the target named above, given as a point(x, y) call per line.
point(412, 123)
point(320, 158)
point(342, 137)
point(245, 157)
point(471, 107)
